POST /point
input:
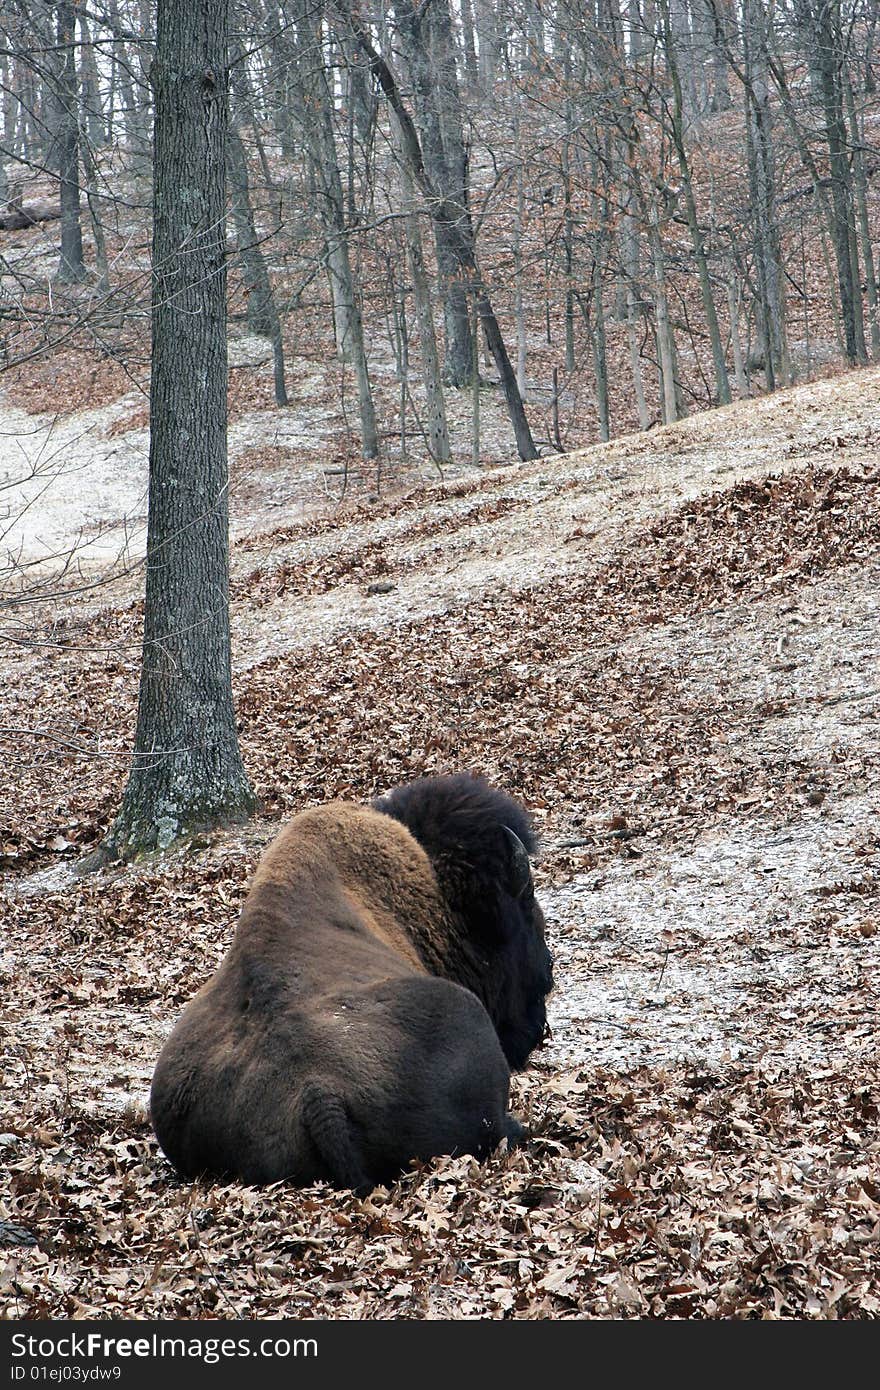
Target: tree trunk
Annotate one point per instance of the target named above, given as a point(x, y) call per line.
point(568, 247)
point(43, 103)
point(629, 254)
point(666, 354)
point(427, 44)
point(93, 198)
point(262, 311)
point(820, 24)
point(721, 17)
point(8, 104)
point(753, 67)
point(187, 771)
point(314, 113)
point(600, 239)
point(95, 130)
point(762, 184)
point(435, 402)
point(71, 267)
point(519, 311)
point(860, 195)
point(468, 44)
point(635, 360)
point(358, 94)
point(829, 59)
point(525, 445)
point(134, 94)
point(475, 393)
point(676, 19)
point(733, 308)
point(461, 237)
point(722, 383)
point(487, 24)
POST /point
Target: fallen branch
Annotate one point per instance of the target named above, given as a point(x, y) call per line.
point(19, 216)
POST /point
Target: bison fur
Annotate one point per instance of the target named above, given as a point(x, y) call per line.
point(388, 970)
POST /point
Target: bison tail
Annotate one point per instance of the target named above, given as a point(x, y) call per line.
point(329, 1128)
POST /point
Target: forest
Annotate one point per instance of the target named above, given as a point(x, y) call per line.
point(435, 387)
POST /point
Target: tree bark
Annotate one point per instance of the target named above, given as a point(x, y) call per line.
point(600, 240)
point(93, 198)
point(315, 115)
point(435, 402)
point(762, 183)
point(670, 397)
point(134, 93)
point(95, 130)
point(71, 266)
point(828, 38)
point(722, 382)
point(720, 19)
point(486, 21)
point(262, 311)
point(568, 238)
point(733, 308)
point(519, 311)
point(186, 771)
point(753, 67)
point(629, 254)
point(860, 196)
point(468, 44)
point(426, 35)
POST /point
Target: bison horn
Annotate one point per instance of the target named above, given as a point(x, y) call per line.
point(521, 869)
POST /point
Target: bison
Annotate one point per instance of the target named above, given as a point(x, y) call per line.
point(388, 970)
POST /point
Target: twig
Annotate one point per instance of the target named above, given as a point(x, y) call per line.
point(210, 1268)
point(663, 969)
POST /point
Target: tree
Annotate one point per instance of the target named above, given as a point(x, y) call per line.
point(426, 39)
point(655, 162)
point(760, 154)
point(187, 771)
point(677, 124)
point(71, 266)
point(262, 311)
point(315, 106)
point(437, 429)
point(823, 27)
point(458, 228)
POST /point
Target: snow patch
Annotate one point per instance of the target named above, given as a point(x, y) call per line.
point(739, 947)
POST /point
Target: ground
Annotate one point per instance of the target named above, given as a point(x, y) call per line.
point(667, 647)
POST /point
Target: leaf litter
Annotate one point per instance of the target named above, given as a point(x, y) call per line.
point(668, 647)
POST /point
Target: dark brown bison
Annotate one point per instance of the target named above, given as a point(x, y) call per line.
point(388, 969)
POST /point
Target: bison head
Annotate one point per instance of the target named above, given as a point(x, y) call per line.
point(388, 970)
point(479, 841)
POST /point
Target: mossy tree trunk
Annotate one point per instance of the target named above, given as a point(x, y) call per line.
point(187, 772)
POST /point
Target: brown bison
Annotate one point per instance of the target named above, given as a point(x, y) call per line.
point(388, 969)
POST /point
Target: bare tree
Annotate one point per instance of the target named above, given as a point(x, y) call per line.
point(187, 770)
point(459, 231)
point(314, 113)
point(426, 37)
point(822, 25)
point(677, 124)
point(262, 310)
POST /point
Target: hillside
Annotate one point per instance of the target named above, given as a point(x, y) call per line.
point(667, 646)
